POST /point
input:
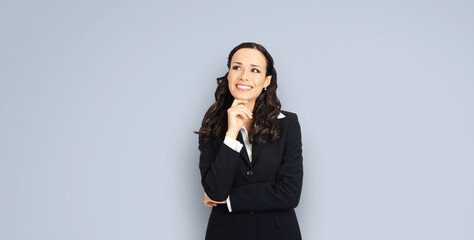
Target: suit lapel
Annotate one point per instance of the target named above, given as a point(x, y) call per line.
point(243, 152)
point(256, 149)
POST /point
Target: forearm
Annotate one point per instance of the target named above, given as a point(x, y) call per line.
point(266, 196)
point(219, 174)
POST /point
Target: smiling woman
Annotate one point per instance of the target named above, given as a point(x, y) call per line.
point(251, 159)
point(247, 76)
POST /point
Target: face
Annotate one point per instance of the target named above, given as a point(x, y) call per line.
point(247, 74)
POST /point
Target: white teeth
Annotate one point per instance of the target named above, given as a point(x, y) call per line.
point(244, 87)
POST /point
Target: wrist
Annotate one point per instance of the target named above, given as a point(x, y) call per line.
point(232, 134)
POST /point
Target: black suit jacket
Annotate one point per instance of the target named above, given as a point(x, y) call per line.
point(263, 192)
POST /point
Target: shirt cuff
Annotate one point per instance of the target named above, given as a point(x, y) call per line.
point(228, 203)
point(233, 143)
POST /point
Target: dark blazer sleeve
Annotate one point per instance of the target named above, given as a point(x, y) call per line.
point(217, 168)
point(284, 192)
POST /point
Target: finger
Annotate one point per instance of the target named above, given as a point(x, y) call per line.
point(238, 112)
point(242, 113)
point(243, 108)
point(238, 101)
point(249, 113)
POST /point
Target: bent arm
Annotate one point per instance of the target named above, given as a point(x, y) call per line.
point(218, 168)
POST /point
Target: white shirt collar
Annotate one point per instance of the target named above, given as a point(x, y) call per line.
point(281, 115)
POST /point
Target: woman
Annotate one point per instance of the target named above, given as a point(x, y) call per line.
point(251, 159)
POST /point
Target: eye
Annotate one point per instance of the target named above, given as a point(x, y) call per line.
point(235, 67)
point(256, 69)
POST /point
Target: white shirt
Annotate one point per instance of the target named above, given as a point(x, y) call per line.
point(237, 146)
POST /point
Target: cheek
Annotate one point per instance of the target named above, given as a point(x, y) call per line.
point(259, 81)
point(231, 76)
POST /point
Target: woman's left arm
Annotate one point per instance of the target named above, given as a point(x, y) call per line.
point(282, 193)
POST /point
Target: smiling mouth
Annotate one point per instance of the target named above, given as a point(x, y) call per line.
point(244, 88)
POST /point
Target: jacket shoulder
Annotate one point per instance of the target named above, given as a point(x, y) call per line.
point(288, 114)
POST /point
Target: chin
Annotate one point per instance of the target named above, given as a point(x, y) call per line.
point(243, 96)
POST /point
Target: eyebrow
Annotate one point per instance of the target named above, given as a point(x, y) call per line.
point(253, 65)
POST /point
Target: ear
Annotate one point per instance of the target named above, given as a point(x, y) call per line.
point(268, 80)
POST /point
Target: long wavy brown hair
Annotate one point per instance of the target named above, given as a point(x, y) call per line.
point(266, 110)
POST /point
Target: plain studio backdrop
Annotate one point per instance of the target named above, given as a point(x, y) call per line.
point(99, 101)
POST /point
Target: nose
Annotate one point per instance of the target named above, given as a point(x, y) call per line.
point(243, 75)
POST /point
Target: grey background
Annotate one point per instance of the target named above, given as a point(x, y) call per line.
point(99, 99)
